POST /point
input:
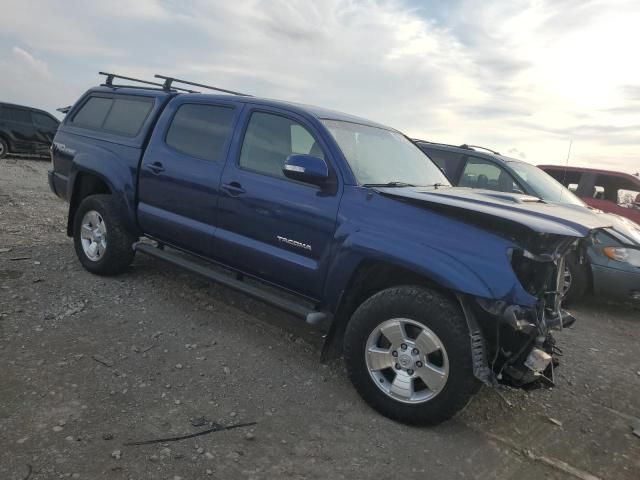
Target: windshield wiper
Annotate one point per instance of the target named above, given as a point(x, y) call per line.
point(389, 184)
point(437, 185)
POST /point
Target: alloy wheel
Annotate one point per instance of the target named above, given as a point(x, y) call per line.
point(406, 360)
point(93, 235)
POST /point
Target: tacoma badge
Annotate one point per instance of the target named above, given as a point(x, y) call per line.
point(294, 243)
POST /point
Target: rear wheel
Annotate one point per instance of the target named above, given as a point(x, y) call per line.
point(408, 354)
point(102, 243)
point(4, 148)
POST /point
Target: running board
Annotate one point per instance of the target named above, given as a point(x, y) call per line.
point(312, 317)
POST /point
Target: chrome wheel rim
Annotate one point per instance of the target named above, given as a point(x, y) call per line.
point(93, 235)
point(566, 281)
point(407, 361)
point(1, 149)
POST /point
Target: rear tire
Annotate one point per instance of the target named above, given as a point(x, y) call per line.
point(4, 148)
point(433, 337)
point(102, 243)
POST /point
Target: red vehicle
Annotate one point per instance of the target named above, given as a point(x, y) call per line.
point(613, 192)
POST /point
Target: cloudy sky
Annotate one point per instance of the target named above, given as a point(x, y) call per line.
point(522, 77)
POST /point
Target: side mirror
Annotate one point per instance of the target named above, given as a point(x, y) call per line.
point(306, 168)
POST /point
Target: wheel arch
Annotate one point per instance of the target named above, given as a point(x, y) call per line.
point(370, 277)
point(85, 183)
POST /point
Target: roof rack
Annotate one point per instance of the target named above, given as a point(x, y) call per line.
point(111, 76)
point(168, 81)
point(167, 85)
point(475, 147)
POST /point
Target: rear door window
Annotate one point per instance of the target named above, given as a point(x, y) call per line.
point(20, 115)
point(201, 131)
point(42, 120)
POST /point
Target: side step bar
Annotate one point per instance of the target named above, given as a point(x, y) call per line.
point(312, 317)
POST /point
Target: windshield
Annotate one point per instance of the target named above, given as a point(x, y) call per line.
point(378, 156)
point(545, 185)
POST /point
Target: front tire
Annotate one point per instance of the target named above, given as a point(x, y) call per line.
point(408, 354)
point(102, 243)
point(576, 280)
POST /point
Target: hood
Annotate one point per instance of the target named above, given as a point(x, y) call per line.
point(524, 210)
point(624, 230)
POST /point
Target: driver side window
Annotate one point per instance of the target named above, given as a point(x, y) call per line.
point(270, 139)
point(479, 173)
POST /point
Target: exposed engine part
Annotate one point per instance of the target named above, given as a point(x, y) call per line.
point(538, 361)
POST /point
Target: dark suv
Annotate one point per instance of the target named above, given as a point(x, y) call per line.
point(25, 130)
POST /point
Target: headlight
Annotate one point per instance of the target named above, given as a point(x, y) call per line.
point(627, 255)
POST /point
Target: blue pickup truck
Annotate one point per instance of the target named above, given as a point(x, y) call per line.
point(427, 290)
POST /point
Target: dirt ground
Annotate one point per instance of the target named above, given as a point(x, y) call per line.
point(89, 363)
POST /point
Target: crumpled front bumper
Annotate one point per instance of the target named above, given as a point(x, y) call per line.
point(519, 347)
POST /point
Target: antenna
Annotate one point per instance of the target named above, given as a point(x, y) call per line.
point(564, 175)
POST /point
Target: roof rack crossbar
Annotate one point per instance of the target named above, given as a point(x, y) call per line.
point(112, 76)
point(169, 80)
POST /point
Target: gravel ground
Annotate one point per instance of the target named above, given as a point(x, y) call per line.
point(89, 363)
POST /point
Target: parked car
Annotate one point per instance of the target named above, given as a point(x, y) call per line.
point(332, 218)
point(609, 267)
point(609, 191)
point(25, 130)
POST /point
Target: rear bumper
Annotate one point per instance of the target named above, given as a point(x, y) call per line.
point(616, 283)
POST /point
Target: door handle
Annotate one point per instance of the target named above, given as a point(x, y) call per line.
point(233, 188)
point(156, 167)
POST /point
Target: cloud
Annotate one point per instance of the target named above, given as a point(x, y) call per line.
point(521, 76)
point(27, 61)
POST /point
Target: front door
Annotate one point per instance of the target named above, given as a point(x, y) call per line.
point(270, 226)
point(180, 173)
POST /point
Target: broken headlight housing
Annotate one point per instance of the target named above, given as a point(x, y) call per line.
point(621, 254)
point(536, 275)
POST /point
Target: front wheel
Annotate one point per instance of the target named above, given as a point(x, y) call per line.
point(102, 243)
point(408, 354)
point(575, 280)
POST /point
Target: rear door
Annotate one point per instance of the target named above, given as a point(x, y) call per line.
point(45, 130)
point(46, 127)
point(270, 226)
point(180, 172)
